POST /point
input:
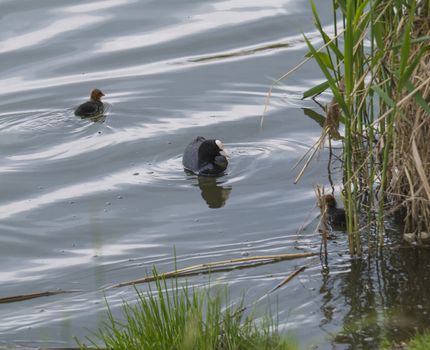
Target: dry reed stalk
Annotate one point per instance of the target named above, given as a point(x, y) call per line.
point(330, 129)
point(22, 297)
point(410, 158)
point(213, 266)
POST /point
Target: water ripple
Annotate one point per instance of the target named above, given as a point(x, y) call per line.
point(37, 37)
point(198, 23)
point(89, 204)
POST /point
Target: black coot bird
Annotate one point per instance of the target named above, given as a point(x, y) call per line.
point(205, 157)
point(92, 108)
point(336, 216)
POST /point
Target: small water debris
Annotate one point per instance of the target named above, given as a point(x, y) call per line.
point(244, 253)
point(119, 197)
point(108, 203)
point(71, 202)
point(150, 172)
point(135, 174)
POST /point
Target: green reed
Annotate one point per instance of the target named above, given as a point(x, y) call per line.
point(175, 317)
point(368, 63)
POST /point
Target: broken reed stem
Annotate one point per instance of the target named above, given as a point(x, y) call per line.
point(283, 283)
point(286, 280)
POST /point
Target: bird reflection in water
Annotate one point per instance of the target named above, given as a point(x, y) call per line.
point(98, 119)
point(214, 193)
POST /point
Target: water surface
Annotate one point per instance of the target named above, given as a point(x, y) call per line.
point(86, 205)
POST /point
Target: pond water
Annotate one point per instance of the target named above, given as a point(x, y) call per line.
point(85, 205)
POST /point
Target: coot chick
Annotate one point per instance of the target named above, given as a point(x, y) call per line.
point(336, 216)
point(205, 157)
point(93, 107)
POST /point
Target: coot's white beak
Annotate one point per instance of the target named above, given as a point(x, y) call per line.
point(221, 147)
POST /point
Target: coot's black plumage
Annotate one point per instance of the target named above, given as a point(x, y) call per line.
point(205, 157)
point(336, 216)
point(92, 108)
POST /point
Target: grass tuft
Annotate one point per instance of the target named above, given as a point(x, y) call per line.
point(182, 318)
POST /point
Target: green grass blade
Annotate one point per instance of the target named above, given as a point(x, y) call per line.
point(324, 36)
point(406, 75)
point(405, 51)
point(349, 48)
point(387, 99)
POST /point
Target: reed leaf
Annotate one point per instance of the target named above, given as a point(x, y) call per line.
point(316, 90)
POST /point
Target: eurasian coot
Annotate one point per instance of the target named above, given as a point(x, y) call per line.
point(93, 107)
point(205, 157)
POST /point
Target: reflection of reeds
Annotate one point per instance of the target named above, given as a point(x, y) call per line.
point(380, 79)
